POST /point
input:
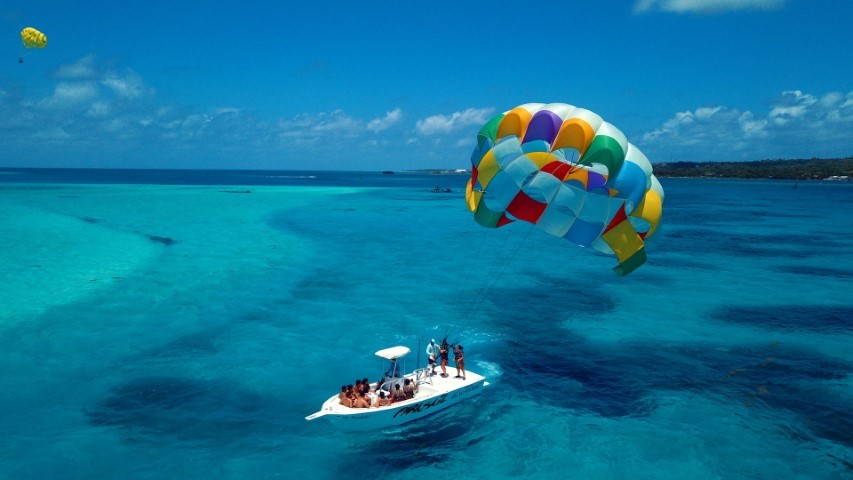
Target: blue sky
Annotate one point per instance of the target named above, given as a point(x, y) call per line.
point(376, 85)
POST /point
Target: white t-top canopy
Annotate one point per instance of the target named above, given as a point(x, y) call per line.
point(393, 352)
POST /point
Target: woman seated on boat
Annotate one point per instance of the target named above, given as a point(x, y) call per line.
point(409, 388)
point(398, 394)
point(342, 397)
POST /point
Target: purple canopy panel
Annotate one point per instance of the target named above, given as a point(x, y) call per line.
point(544, 125)
point(596, 180)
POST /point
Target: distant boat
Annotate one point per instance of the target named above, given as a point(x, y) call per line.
point(387, 172)
point(434, 394)
point(441, 190)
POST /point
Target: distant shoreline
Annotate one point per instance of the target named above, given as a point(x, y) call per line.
point(805, 169)
point(840, 169)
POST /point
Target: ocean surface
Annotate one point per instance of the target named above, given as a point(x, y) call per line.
point(181, 325)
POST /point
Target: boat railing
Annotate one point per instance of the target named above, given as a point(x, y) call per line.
point(422, 375)
point(388, 386)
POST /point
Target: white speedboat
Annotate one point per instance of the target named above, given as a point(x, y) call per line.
point(434, 393)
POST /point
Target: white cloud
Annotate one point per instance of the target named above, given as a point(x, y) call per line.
point(111, 110)
point(68, 94)
point(752, 127)
point(84, 85)
point(126, 85)
point(705, 6)
point(831, 99)
point(51, 134)
point(465, 142)
point(83, 69)
point(226, 110)
point(391, 118)
point(310, 129)
point(99, 109)
point(117, 126)
point(437, 124)
point(797, 125)
point(704, 113)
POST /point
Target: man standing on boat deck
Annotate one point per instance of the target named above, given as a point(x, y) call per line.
point(432, 352)
point(443, 351)
point(393, 369)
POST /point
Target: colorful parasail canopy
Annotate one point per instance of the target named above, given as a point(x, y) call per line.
point(32, 38)
point(571, 174)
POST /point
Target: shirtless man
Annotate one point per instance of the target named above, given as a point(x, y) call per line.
point(361, 401)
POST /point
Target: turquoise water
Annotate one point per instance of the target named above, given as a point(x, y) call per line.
point(168, 325)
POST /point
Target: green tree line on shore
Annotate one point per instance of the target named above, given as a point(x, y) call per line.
point(802, 169)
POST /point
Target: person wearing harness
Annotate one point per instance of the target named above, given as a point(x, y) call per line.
point(443, 351)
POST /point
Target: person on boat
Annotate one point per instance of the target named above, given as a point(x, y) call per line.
point(365, 385)
point(342, 397)
point(443, 351)
point(397, 395)
point(358, 387)
point(372, 397)
point(393, 369)
point(432, 353)
point(383, 400)
point(361, 401)
point(409, 388)
point(459, 358)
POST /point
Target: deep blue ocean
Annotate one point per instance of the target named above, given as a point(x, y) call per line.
point(181, 324)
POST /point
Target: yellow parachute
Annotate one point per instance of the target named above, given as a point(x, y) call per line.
point(32, 38)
